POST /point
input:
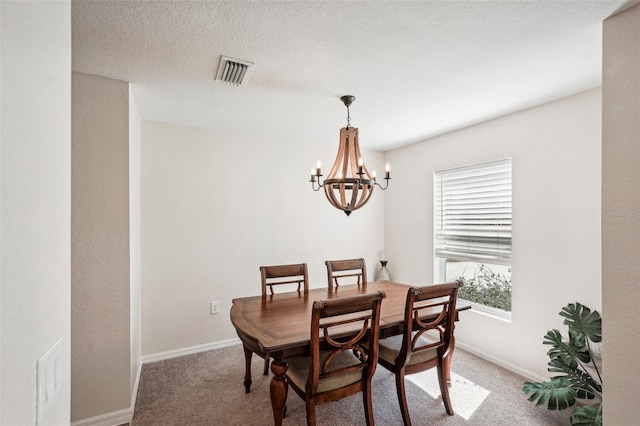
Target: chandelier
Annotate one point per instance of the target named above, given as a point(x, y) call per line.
point(349, 185)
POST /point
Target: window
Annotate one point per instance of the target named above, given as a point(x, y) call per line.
point(473, 233)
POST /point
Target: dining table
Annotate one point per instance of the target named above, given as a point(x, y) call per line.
point(280, 325)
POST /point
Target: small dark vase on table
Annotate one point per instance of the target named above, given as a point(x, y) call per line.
point(383, 273)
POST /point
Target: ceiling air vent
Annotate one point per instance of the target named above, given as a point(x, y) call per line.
point(234, 71)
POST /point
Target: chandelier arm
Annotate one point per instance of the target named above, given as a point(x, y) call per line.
point(380, 186)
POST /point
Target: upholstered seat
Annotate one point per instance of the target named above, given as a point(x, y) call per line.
point(298, 371)
point(389, 349)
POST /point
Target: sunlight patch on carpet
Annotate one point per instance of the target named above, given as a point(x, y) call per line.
point(465, 395)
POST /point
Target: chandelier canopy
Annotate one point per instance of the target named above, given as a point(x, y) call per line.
point(349, 185)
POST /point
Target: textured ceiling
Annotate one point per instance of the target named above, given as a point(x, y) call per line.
point(417, 69)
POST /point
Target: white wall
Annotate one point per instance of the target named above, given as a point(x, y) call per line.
point(215, 207)
point(35, 207)
point(100, 253)
point(555, 149)
point(621, 217)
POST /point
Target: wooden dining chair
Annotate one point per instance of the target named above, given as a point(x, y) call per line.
point(423, 344)
point(270, 276)
point(333, 370)
point(282, 275)
point(355, 270)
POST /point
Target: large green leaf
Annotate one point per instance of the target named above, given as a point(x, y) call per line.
point(582, 323)
point(588, 415)
point(568, 352)
point(557, 394)
point(583, 384)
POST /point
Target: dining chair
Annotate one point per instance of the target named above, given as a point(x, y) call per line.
point(284, 274)
point(339, 270)
point(270, 276)
point(423, 344)
point(333, 370)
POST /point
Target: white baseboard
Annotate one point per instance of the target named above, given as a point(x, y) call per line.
point(159, 356)
point(136, 385)
point(529, 375)
point(114, 418)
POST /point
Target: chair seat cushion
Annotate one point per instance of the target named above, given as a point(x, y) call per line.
point(298, 371)
point(389, 349)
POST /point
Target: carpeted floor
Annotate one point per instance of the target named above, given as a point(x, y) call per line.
point(206, 389)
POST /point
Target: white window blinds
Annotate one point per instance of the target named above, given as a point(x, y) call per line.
point(473, 213)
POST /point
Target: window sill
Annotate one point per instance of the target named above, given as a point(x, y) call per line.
point(498, 314)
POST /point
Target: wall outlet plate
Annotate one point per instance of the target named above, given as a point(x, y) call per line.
point(49, 380)
point(215, 308)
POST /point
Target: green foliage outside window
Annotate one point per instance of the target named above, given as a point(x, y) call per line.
point(488, 288)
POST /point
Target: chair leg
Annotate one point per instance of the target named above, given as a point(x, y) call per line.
point(444, 388)
point(368, 404)
point(402, 398)
point(247, 368)
point(266, 365)
point(311, 413)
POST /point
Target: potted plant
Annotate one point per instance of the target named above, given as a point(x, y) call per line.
point(576, 374)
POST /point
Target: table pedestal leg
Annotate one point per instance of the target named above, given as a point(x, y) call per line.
point(278, 390)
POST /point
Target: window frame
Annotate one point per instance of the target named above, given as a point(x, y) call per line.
point(441, 235)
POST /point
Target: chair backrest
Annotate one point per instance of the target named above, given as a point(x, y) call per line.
point(284, 274)
point(439, 300)
point(355, 270)
point(332, 317)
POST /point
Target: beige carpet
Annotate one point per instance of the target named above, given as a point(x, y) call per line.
point(207, 389)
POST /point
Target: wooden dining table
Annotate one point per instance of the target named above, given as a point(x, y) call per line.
point(280, 325)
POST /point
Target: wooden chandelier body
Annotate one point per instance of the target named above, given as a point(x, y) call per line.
point(348, 185)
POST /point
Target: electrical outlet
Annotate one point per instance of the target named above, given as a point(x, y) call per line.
point(215, 308)
point(597, 350)
point(49, 380)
